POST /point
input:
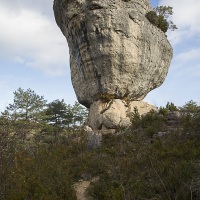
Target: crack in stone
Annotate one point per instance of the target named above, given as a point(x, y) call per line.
point(105, 109)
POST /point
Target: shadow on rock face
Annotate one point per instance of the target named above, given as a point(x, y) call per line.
point(114, 49)
point(115, 52)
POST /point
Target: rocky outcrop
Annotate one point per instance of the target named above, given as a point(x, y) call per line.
point(116, 57)
point(115, 114)
point(94, 137)
point(114, 49)
point(112, 117)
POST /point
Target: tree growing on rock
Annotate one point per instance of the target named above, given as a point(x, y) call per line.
point(161, 17)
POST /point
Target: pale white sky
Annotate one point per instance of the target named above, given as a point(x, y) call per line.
point(34, 53)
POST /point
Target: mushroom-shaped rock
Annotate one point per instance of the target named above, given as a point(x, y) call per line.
point(113, 47)
point(116, 54)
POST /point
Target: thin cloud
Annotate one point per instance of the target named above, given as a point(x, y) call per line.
point(16, 6)
point(33, 39)
point(186, 64)
point(191, 55)
point(186, 16)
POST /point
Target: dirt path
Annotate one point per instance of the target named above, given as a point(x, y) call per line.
point(81, 188)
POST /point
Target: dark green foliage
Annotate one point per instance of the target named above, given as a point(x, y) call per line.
point(158, 21)
point(152, 17)
point(159, 17)
point(166, 12)
point(44, 176)
point(55, 112)
point(144, 167)
point(79, 113)
point(190, 108)
point(191, 117)
point(130, 166)
point(136, 118)
point(140, 168)
point(27, 106)
point(171, 107)
point(162, 23)
point(58, 113)
point(139, 163)
point(151, 123)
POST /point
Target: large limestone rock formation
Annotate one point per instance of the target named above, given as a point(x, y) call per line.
point(115, 54)
point(114, 49)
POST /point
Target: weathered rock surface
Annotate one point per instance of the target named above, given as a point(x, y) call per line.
point(115, 114)
point(143, 107)
point(109, 117)
point(114, 50)
point(94, 138)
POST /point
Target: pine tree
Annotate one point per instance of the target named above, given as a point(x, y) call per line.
point(27, 106)
point(56, 112)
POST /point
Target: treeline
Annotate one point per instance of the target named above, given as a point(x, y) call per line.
point(30, 107)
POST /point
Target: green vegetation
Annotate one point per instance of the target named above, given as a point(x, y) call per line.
point(27, 105)
point(158, 157)
point(160, 17)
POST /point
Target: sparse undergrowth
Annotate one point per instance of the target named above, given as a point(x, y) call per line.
point(156, 158)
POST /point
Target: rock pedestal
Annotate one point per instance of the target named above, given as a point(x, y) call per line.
point(115, 114)
point(114, 51)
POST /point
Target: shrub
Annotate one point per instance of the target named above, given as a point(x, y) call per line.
point(160, 16)
point(152, 17)
point(132, 165)
point(158, 21)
